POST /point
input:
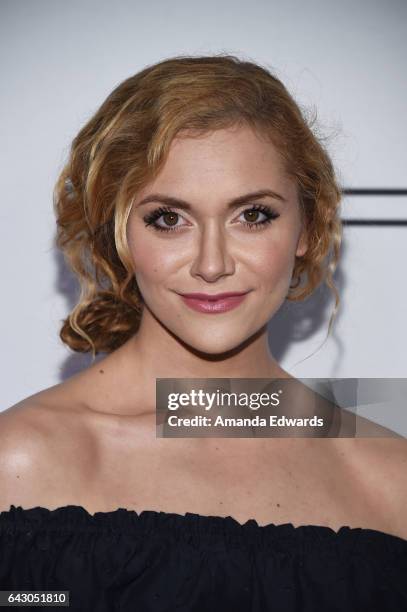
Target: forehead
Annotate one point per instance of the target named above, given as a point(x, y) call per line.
point(237, 146)
point(231, 161)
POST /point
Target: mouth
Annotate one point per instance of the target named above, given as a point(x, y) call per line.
point(215, 303)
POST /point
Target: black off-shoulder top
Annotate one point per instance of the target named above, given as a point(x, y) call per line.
point(164, 562)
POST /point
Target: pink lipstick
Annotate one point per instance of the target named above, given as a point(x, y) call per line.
point(215, 303)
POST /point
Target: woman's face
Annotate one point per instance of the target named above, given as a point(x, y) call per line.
point(206, 244)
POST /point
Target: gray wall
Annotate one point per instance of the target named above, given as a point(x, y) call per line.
point(347, 59)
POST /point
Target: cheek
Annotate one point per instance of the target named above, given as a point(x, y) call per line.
point(274, 263)
point(151, 261)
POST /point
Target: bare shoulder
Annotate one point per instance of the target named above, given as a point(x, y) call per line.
point(42, 450)
point(380, 466)
point(386, 456)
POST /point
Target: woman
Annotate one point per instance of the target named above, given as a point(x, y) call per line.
point(196, 175)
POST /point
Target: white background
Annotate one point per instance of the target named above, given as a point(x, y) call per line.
point(60, 60)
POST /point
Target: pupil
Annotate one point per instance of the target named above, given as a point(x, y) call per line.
point(173, 217)
point(251, 212)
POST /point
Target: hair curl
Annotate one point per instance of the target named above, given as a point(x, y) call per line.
point(124, 145)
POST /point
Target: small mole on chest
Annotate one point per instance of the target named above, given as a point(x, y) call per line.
point(101, 371)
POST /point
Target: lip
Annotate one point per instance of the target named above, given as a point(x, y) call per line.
point(213, 304)
point(213, 296)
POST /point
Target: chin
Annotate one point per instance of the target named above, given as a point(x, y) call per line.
point(212, 346)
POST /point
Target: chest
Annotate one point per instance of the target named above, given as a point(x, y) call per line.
point(228, 482)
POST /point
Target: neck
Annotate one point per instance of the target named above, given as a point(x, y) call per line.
point(252, 359)
point(128, 375)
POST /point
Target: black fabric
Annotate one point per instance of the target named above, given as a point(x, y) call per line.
point(165, 562)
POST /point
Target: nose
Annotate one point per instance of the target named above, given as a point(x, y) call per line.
point(213, 259)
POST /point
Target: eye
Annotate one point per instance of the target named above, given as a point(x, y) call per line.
point(167, 214)
point(252, 216)
point(170, 218)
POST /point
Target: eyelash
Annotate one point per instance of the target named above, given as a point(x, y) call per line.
point(156, 214)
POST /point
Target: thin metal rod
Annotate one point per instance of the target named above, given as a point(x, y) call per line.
point(372, 191)
point(378, 222)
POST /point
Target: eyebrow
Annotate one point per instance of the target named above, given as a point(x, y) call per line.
point(232, 204)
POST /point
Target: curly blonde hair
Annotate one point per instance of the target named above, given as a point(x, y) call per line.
point(124, 145)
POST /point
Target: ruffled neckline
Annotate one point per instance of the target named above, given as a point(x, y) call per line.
point(199, 528)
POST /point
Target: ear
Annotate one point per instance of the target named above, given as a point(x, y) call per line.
point(302, 245)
